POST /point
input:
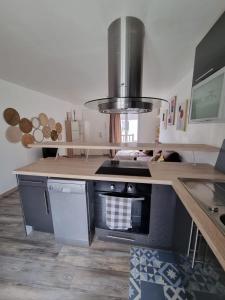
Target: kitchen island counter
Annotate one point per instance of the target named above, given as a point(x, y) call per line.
point(166, 173)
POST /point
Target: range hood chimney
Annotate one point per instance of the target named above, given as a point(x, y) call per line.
point(125, 61)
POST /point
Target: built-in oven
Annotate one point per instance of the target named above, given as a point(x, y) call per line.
point(115, 194)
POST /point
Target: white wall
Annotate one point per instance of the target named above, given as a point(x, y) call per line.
point(203, 133)
point(96, 129)
point(29, 104)
point(147, 126)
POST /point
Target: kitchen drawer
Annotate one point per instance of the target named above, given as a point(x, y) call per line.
point(122, 237)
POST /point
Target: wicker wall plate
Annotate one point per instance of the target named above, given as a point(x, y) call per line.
point(43, 119)
point(51, 123)
point(58, 127)
point(54, 135)
point(35, 122)
point(13, 134)
point(38, 135)
point(11, 116)
point(60, 136)
point(46, 132)
point(25, 125)
point(27, 139)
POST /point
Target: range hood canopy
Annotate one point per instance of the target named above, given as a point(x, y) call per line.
point(125, 60)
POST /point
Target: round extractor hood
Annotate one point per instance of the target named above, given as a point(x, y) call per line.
point(123, 105)
point(125, 60)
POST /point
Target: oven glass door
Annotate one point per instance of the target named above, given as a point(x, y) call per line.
point(140, 211)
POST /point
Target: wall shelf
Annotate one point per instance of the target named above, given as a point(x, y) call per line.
point(128, 146)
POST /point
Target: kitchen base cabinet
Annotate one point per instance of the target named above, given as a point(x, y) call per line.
point(35, 203)
point(182, 228)
point(163, 204)
point(188, 240)
point(202, 276)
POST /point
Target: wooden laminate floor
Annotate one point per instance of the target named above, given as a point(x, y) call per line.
point(36, 267)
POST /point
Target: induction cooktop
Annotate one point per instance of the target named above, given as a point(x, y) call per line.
point(123, 167)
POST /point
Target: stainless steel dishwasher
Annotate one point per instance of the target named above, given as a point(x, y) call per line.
point(69, 211)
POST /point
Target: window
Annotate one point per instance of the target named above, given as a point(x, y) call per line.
point(129, 128)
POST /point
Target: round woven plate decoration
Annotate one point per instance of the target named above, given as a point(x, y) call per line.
point(51, 123)
point(58, 127)
point(13, 134)
point(35, 122)
point(46, 132)
point(25, 125)
point(38, 135)
point(54, 135)
point(27, 139)
point(60, 137)
point(43, 119)
point(11, 116)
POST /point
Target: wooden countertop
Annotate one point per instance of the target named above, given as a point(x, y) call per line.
point(167, 173)
point(80, 168)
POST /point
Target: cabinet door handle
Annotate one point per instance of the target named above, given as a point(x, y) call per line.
point(195, 248)
point(30, 182)
point(46, 203)
point(190, 238)
point(203, 75)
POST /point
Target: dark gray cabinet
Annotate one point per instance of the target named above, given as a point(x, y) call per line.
point(35, 202)
point(163, 205)
point(202, 275)
point(210, 52)
point(182, 228)
point(170, 223)
point(187, 239)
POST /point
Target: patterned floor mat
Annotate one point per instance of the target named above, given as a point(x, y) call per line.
point(159, 275)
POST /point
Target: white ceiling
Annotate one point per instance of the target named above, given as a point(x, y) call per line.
point(59, 47)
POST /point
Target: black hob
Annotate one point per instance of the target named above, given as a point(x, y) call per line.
point(120, 167)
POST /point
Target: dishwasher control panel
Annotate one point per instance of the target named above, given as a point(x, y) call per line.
point(66, 186)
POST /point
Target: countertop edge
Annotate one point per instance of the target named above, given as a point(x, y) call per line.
point(147, 180)
point(207, 227)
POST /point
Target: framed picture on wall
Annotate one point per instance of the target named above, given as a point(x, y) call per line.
point(182, 115)
point(172, 110)
point(164, 118)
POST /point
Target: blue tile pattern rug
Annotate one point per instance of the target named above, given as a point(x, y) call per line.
point(160, 275)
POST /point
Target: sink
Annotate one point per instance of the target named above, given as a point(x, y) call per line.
point(222, 219)
point(208, 193)
point(210, 196)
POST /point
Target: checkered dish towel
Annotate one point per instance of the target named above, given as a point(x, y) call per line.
point(118, 213)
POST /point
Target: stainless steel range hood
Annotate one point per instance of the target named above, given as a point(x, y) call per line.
point(125, 61)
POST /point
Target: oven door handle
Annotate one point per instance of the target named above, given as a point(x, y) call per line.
point(107, 195)
point(137, 199)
